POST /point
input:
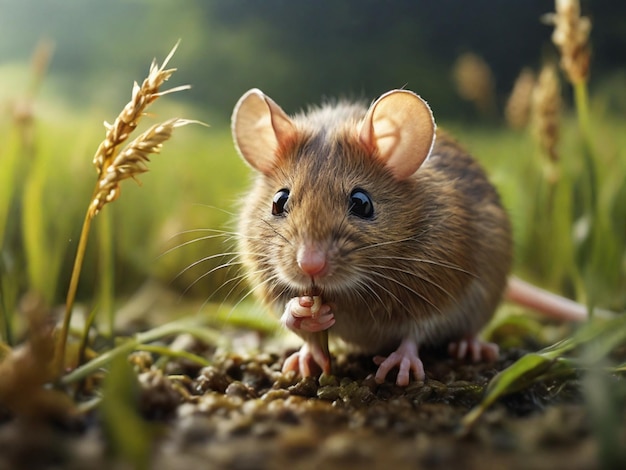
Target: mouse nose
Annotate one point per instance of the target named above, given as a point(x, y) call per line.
point(312, 260)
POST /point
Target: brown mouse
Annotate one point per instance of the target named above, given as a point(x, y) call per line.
point(390, 222)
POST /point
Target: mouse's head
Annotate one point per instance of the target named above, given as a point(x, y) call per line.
point(332, 191)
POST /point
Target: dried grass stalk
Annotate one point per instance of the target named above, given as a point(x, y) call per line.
point(571, 36)
point(546, 111)
point(517, 110)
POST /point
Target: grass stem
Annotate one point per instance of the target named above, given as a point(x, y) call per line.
point(61, 340)
point(106, 268)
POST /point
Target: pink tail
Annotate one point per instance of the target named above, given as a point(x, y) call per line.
point(545, 302)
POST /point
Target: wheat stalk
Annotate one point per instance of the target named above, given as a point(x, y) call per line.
point(114, 166)
point(571, 37)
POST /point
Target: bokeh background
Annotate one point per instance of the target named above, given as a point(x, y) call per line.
point(298, 52)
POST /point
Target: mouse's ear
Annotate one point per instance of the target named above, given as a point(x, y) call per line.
point(400, 129)
point(260, 127)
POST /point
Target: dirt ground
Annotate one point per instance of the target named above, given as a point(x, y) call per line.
point(242, 413)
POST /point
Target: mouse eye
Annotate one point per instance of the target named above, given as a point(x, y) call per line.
point(361, 204)
point(279, 201)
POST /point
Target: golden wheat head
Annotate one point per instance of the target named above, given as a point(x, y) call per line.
point(474, 81)
point(571, 36)
point(517, 110)
point(131, 161)
point(114, 167)
point(546, 110)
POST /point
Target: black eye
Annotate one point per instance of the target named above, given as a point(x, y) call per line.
point(361, 204)
point(279, 202)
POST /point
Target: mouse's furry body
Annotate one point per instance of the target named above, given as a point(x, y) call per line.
point(431, 265)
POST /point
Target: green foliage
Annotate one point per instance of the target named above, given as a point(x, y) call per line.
point(129, 437)
point(9, 268)
point(9, 160)
point(554, 247)
point(195, 328)
point(596, 338)
point(46, 222)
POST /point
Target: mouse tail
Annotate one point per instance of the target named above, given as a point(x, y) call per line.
point(544, 302)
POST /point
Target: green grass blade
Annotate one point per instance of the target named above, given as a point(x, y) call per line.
point(176, 327)
point(129, 436)
point(519, 375)
point(598, 338)
point(168, 352)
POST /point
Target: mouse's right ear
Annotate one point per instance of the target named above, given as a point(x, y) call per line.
point(260, 127)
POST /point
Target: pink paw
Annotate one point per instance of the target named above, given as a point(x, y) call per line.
point(474, 349)
point(308, 361)
point(406, 359)
point(301, 314)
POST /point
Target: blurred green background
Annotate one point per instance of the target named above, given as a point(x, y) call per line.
point(298, 52)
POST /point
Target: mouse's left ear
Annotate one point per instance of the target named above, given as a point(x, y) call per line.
point(399, 129)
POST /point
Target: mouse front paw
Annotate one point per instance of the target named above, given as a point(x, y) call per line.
point(307, 314)
point(406, 359)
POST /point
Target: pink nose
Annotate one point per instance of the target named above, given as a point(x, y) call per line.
point(312, 260)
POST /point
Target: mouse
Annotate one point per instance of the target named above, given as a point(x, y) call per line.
point(370, 226)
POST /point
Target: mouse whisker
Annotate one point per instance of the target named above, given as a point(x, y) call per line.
point(369, 277)
point(239, 278)
point(276, 231)
point(237, 281)
point(408, 288)
point(220, 209)
point(194, 240)
point(202, 230)
point(202, 260)
point(362, 286)
point(208, 273)
point(441, 264)
point(260, 285)
point(389, 242)
point(420, 277)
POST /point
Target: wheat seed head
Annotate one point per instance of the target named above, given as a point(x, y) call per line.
point(474, 81)
point(127, 120)
point(114, 166)
point(131, 161)
point(571, 36)
point(546, 110)
point(517, 110)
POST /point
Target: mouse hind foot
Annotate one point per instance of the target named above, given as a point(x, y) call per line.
point(308, 361)
point(406, 359)
point(473, 348)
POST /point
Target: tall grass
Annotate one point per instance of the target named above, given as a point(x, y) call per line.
point(576, 237)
